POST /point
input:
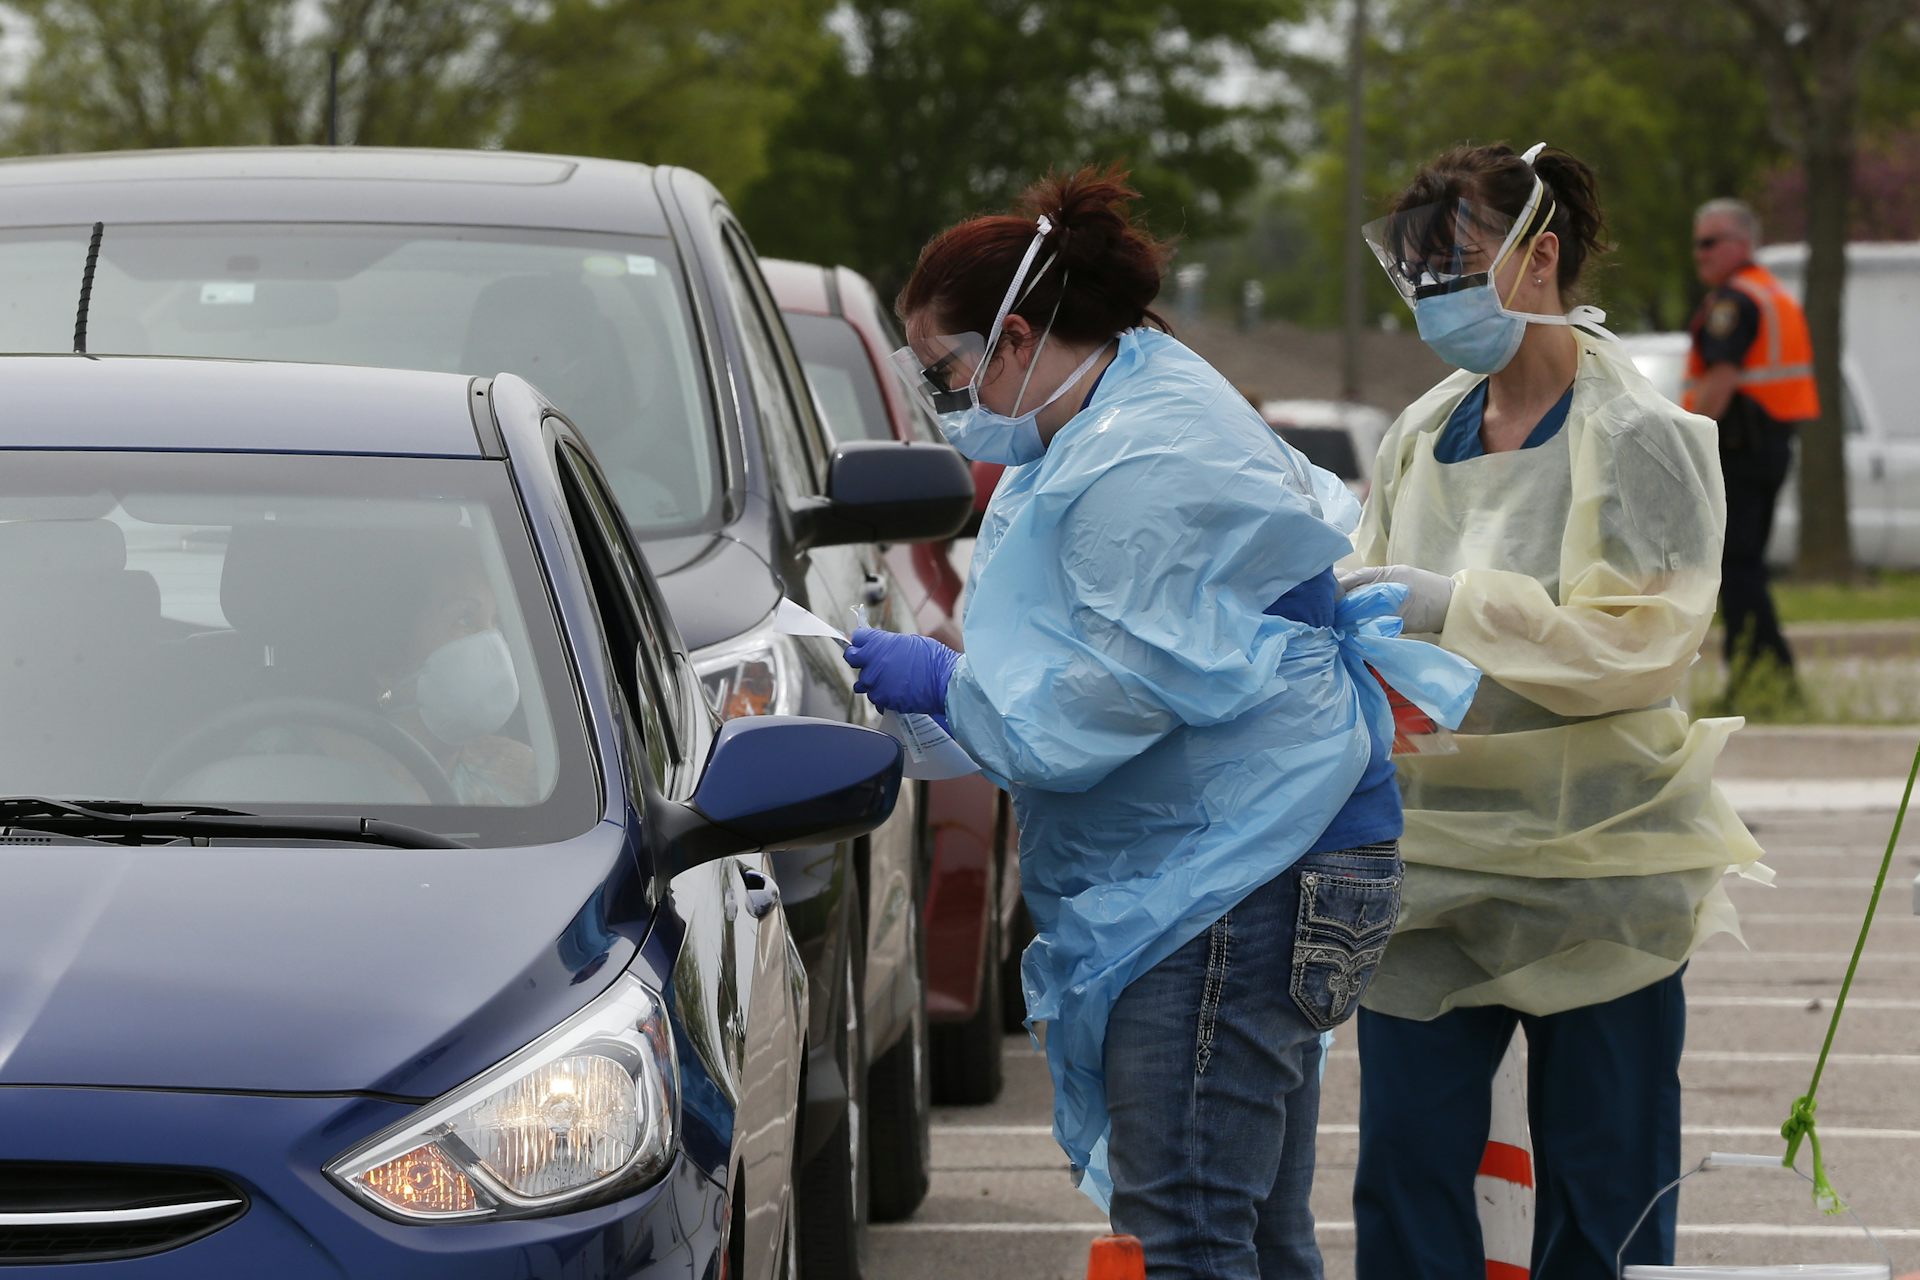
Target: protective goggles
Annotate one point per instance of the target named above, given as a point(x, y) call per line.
point(942, 372)
point(1451, 245)
point(946, 373)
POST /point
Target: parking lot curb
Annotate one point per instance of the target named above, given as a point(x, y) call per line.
point(1823, 752)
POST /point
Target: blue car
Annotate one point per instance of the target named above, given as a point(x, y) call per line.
point(379, 895)
point(632, 296)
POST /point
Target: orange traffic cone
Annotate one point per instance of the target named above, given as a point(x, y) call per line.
point(1116, 1258)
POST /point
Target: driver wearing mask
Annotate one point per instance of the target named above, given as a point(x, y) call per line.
point(453, 688)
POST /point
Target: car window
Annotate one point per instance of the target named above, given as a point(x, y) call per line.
point(843, 377)
point(780, 388)
point(1329, 448)
point(360, 636)
point(642, 665)
point(1850, 420)
point(601, 324)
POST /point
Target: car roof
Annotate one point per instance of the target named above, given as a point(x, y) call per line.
point(177, 403)
point(801, 286)
point(405, 186)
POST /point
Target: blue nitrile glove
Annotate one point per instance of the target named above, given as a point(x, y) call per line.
point(901, 673)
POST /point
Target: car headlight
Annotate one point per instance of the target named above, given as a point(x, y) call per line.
point(591, 1107)
point(755, 674)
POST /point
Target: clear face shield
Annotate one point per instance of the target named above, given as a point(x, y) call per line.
point(942, 372)
point(1448, 247)
point(945, 373)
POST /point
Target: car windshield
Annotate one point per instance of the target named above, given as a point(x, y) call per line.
point(599, 323)
point(353, 636)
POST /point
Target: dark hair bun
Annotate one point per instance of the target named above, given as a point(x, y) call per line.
point(1105, 273)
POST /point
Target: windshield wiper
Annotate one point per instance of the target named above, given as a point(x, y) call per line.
point(132, 819)
point(14, 808)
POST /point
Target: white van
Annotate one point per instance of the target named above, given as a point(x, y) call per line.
point(1883, 466)
point(1882, 321)
point(1882, 315)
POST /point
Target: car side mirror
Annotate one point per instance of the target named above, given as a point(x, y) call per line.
point(776, 782)
point(889, 491)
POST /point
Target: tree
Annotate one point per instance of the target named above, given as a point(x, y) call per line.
point(695, 82)
point(938, 109)
point(1886, 173)
point(1814, 54)
point(1625, 87)
point(110, 74)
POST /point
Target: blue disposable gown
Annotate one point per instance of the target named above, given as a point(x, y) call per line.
point(1170, 746)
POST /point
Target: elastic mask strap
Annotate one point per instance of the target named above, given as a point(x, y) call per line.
point(1519, 279)
point(1013, 295)
point(1525, 220)
point(1075, 376)
point(1046, 333)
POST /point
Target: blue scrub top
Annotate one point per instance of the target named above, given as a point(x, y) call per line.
point(1460, 438)
point(1372, 814)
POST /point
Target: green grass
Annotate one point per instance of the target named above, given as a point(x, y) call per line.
point(1880, 596)
point(1830, 689)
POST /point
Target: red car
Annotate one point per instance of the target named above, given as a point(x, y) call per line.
point(975, 923)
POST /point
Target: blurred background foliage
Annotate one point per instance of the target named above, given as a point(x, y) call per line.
point(851, 130)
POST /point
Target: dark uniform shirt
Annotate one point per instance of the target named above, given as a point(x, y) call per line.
point(1726, 327)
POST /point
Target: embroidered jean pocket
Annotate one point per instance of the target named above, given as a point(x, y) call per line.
point(1341, 933)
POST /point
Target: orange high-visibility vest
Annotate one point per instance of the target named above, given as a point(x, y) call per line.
point(1778, 371)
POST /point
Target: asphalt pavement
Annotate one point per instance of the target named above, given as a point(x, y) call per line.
point(1002, 1207)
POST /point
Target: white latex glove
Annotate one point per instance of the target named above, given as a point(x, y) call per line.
point(1424, 611)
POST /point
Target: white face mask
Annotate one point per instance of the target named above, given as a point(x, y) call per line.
point(467, 688)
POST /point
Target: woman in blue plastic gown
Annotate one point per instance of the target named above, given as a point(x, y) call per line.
point(1157, 669)
point(1558, 523)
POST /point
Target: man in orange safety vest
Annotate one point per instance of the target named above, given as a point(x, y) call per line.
point(1751, 370)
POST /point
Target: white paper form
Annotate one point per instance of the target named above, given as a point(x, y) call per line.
point(932, 754)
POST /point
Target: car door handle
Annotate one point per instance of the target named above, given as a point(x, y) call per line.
point(1877, 467)
point(763, 895)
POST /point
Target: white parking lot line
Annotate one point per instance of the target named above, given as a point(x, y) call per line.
point(1352, 1130)
point(1816, 917)
point(1743, 1230)
point(1797, 1002)
point(1827, 795)
point(1719, 1057)
point(1816, 959)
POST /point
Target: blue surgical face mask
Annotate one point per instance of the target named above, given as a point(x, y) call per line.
point(467, 688)
point(985, 436)
point(1469, 329)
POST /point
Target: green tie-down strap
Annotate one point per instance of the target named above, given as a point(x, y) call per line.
point(1800, 1120)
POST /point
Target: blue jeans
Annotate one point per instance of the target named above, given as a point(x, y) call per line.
point(1213, 1070)
point(1603, 1104)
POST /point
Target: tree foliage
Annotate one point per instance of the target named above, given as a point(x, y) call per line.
point(939, 109)
point(1814, 55)
point(1886, 178)
point(1650, 96)
point(695, 82)
point(113, 74)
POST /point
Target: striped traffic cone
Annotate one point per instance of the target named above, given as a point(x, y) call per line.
point(1116, 1258)
point(1505, 1185)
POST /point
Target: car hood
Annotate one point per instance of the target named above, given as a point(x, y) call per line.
point(716, 587)
point(301, 970)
